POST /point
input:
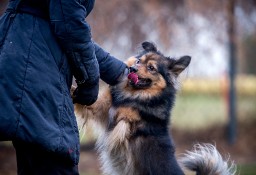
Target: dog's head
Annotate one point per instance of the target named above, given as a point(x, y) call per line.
point(151, 72)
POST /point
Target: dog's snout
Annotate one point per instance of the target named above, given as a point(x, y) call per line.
point(133, 69)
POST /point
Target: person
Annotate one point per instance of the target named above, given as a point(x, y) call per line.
point(43, 44)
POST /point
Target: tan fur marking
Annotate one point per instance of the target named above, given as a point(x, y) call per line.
point(130, 61)
point(143, 58)
point(127, 113)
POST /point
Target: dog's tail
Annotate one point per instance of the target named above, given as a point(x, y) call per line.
point(206, 160)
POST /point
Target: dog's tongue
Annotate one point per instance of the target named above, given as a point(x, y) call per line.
point(133, 77)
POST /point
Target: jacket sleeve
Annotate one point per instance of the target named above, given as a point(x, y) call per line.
point(110, 67)
point(67, 18)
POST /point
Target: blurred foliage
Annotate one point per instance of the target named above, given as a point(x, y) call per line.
point(177, 26)
point(172, 24)
point(248, 47)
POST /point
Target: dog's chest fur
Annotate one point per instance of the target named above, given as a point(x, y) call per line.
point(137, 138)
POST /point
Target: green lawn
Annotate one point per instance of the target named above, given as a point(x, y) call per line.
point(197, 111)
point(248, 169)
point(194, 111)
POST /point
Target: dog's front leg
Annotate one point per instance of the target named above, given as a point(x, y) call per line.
point(97, 111)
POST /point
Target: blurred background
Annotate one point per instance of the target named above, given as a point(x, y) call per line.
point(217, 99)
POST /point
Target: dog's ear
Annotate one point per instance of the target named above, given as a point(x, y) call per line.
point(148, 46)
point(180, 64)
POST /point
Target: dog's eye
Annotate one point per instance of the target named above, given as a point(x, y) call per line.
point(137, 62)
point(151, 68)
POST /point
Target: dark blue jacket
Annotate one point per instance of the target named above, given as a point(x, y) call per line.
point(38, 47)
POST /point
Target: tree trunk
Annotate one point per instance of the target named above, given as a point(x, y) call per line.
point(232, 72)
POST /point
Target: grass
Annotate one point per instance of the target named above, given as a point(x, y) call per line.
point(248, 169)
point(195, 111)
point(204, 102)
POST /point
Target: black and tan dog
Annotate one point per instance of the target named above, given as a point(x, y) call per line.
point(135, 116)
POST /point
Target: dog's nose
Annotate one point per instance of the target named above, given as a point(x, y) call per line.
point(133, 69)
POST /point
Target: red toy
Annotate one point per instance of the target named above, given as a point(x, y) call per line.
point(133, 77)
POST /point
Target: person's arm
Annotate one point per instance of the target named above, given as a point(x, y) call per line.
point(111, 68)
point(67, 18)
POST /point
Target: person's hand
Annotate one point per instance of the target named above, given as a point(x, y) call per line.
point(123, 75)
point(86, 94)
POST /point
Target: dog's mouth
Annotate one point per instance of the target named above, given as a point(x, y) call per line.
point(137, 82)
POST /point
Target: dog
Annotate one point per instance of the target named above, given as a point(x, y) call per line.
point(134, 117)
